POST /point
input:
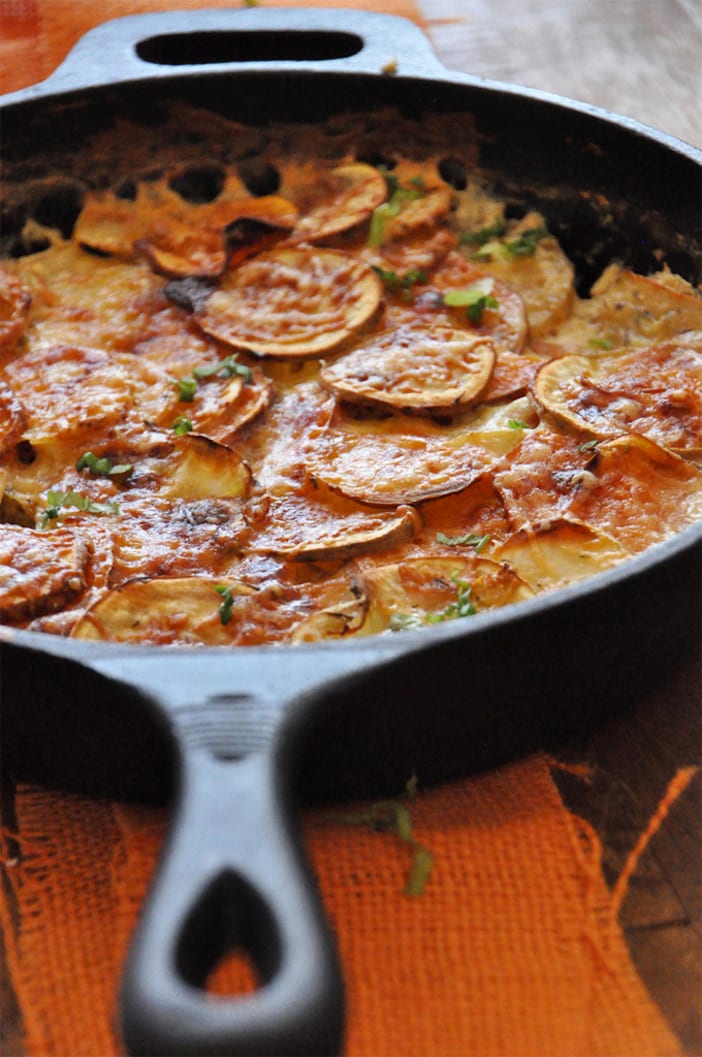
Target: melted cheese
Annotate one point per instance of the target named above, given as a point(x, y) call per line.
point(323, 403)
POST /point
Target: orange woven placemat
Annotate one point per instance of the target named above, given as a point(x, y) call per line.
point(512, 949)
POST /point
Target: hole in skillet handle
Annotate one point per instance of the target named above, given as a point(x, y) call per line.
point(208, 48)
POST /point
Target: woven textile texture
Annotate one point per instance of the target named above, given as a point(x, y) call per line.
point(511, 948)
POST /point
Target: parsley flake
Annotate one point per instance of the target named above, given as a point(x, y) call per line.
point(225, 610)
point(56, 502)
point(226, 368)
point(103, 467)
point(397, 197)
point(392, 816)
point(462, 607)
point(474, 298)
point(470, 539)
point(403, 283)
point(187, 387)
point(182, 426)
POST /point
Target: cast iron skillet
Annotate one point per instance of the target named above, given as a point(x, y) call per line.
point(236, 737)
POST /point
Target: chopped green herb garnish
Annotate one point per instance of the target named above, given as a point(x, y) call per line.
point(523, 246)
point(478, 238)
point(474, 298)
point(600, 343)
point(182, 426)
point(462, 607)
point(516, 423)
point(225, 610)
point(226, 368)
point(406, 621)
point(526, 243)
point(405, 282)
point(187, 387)
point(103, 467)
point(397, 196)
point(470, 539)
point(392, 816)
point(588, 445)
point(56, 502)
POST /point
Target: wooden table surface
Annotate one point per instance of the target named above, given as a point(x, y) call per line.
point(640, 58)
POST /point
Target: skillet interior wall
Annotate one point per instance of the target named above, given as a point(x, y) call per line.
point(608, 192)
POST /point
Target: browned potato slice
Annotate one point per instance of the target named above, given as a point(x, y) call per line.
point(178, 238)
point(427, 210)
point(305, 531)
point(40, 571)
point(194, 610)
point(544, 278)
point(512, 376)
point(164, 611)
point(630, 309)
point(222, 402)
point(654, 391)
point(204, 241)
point(177, 249)
point(559, 553)
point(341, 616)
point(347, 197)
point(108, 224)
point(157, 536)
point(637, 492)
point(427, 365)
point(401, 459)
point(421, 591)
point(194, 467)
point(391, 469)
point(69, 390)
point(505, 323)
point(292, 302)
point(15, 301)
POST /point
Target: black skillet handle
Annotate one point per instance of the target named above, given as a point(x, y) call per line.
point(161, 44)
point(233, 878)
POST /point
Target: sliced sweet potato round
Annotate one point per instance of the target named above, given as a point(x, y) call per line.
point(195, 467)
point(638, 492)
point(560, 552)
point(425, 366)
point(655, 391)
point(305, 531)
point(191, 609)
point(627, 309)
point(40, 571)
point(391, 466)
point(207, 238)
point(338, 616)
point(346, 197)
point(225, 395)
point(108, 224)
point(292, 301)
point(502, 316)
point(418, 592)
point(531, 261)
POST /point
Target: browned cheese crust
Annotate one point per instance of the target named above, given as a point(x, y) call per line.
point(292, 383)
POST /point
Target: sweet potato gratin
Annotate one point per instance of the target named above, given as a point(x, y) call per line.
point(288, 384)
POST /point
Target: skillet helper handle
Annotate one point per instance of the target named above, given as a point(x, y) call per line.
point(161, 44)
point(233, 879)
